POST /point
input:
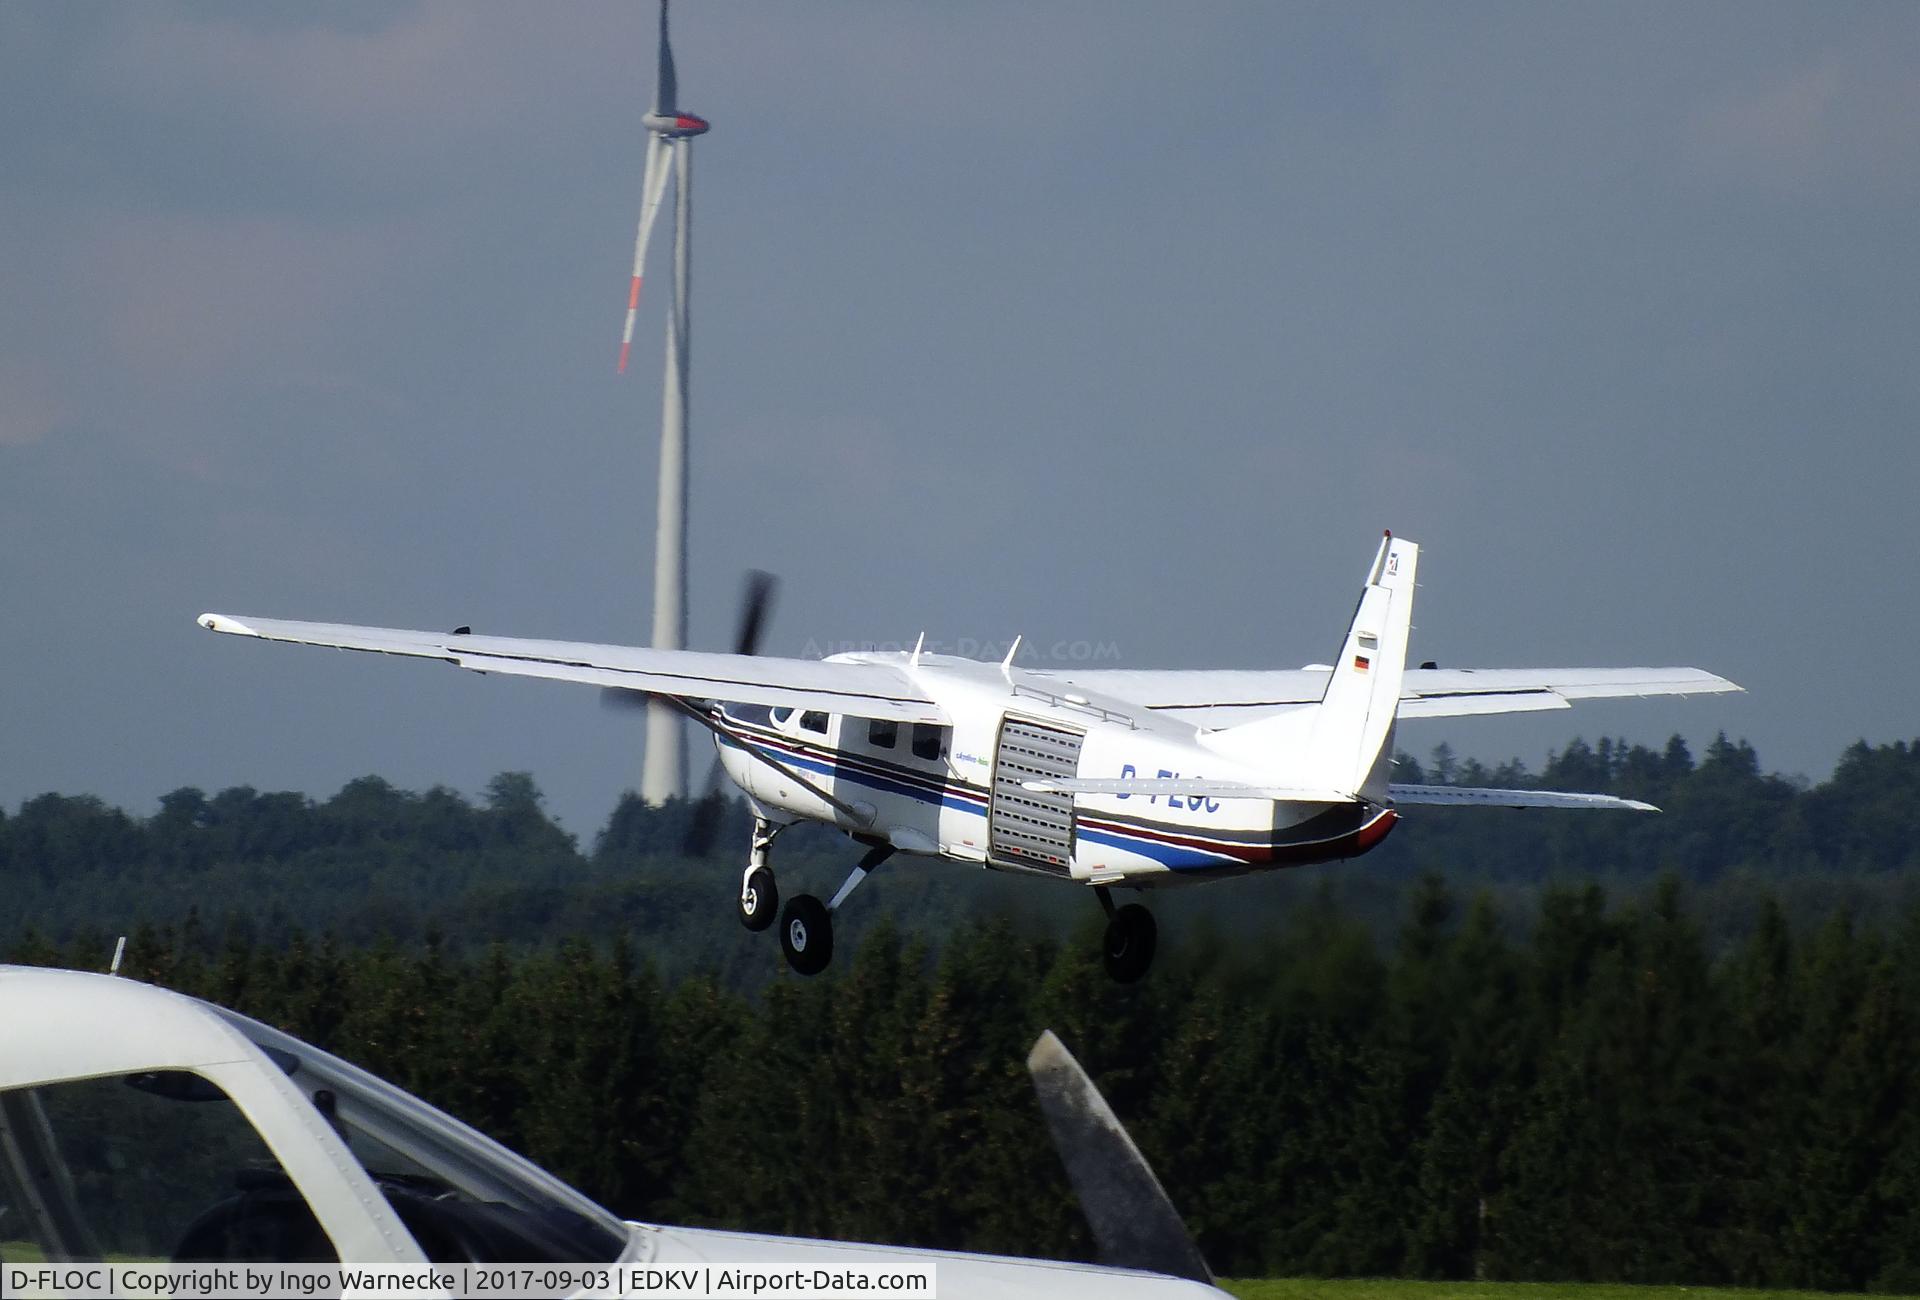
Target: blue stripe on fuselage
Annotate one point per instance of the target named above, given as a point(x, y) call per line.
point(1174, 857)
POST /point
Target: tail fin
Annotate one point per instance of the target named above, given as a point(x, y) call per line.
point(1353, 727)
point(1345, 742)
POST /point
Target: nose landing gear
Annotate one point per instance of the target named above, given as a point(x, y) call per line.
point(759, 895)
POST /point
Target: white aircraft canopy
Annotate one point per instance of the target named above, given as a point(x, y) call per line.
point(870, 690)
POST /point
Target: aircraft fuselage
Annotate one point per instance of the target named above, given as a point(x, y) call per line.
point(957, 792)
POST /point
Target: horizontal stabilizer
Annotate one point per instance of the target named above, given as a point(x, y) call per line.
point(1460, 796)
point(1184, 785)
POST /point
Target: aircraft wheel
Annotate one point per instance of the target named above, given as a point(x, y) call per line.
point(806, 934)
point(759, 899)
point(1131, 937)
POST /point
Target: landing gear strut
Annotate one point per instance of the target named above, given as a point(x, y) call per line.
point(1131, 939)
point(806, 924)
point(759, 895)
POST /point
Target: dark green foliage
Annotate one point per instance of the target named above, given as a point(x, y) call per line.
point(1603, 1101)
point(1506, 1045)
point(375, 861)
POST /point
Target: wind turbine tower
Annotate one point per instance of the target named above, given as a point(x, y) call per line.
point(670, 135)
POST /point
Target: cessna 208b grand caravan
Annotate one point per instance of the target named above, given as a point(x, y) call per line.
point(1107, 778)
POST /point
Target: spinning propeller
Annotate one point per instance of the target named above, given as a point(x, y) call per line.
point(756, 604)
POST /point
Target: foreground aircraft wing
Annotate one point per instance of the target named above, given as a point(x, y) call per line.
point(866, 690)
point(1462, 796)
point(1225, 698)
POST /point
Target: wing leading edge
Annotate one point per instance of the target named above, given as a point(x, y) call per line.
point(861, 689)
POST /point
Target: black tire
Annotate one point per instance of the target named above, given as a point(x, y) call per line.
point(1131, 939)
point(806, 934)
point(759, 900)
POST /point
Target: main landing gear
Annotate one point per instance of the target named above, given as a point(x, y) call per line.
point(806, 925)
point(1131, 938)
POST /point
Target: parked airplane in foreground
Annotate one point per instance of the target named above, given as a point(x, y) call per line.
point(1108, 778)
point(141, 1126)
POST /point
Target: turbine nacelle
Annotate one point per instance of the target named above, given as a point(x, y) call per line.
point(675, 126)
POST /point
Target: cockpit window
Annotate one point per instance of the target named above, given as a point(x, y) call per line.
point(463, 1196)
point(814, 720)
point(757, 714)
point(145, 1167)
point(781, 715)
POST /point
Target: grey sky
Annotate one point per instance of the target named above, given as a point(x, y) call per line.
point(1118, 322)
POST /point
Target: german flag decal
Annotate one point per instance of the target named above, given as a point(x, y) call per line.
point(1361, 663)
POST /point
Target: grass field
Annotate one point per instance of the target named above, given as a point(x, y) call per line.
point(1307, 1288)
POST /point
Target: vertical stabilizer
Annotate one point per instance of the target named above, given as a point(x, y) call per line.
point(1353, 726)
point(1345, 742)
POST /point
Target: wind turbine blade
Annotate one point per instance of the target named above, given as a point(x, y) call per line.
point(653, 187)
point(666, 92)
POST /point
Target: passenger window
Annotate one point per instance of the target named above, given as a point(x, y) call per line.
point(814, 720)
point(883, 733)
point(929, 741)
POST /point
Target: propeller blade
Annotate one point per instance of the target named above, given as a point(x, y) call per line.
point(623, 699)
point(652, 188)
point(703, 820)
point(755, 607)
point(666, 92)
point(1134, 1224)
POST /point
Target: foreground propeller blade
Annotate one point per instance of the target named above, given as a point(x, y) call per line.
point(1134, 1224)
point(652, 188)
point(755, 606)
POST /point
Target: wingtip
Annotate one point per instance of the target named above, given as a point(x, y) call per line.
point(222, 623)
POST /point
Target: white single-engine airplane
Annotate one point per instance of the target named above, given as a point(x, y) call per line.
point(1108, 778)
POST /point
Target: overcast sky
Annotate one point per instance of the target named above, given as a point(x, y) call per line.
point(1130, 324)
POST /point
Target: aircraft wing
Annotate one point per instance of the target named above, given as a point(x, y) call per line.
point(1225, 698)
point(866, 690)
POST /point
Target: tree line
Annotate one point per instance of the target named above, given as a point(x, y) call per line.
point(1604, 1100)
point(373, 860)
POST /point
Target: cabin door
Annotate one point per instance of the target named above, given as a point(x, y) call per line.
point(1030, 828)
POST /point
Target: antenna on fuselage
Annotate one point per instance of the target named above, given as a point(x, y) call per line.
point(119, 951)
point(1006, 665)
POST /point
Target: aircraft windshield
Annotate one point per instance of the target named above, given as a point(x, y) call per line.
point(461, 1194)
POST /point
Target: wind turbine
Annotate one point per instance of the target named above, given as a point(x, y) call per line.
point(670, 135)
